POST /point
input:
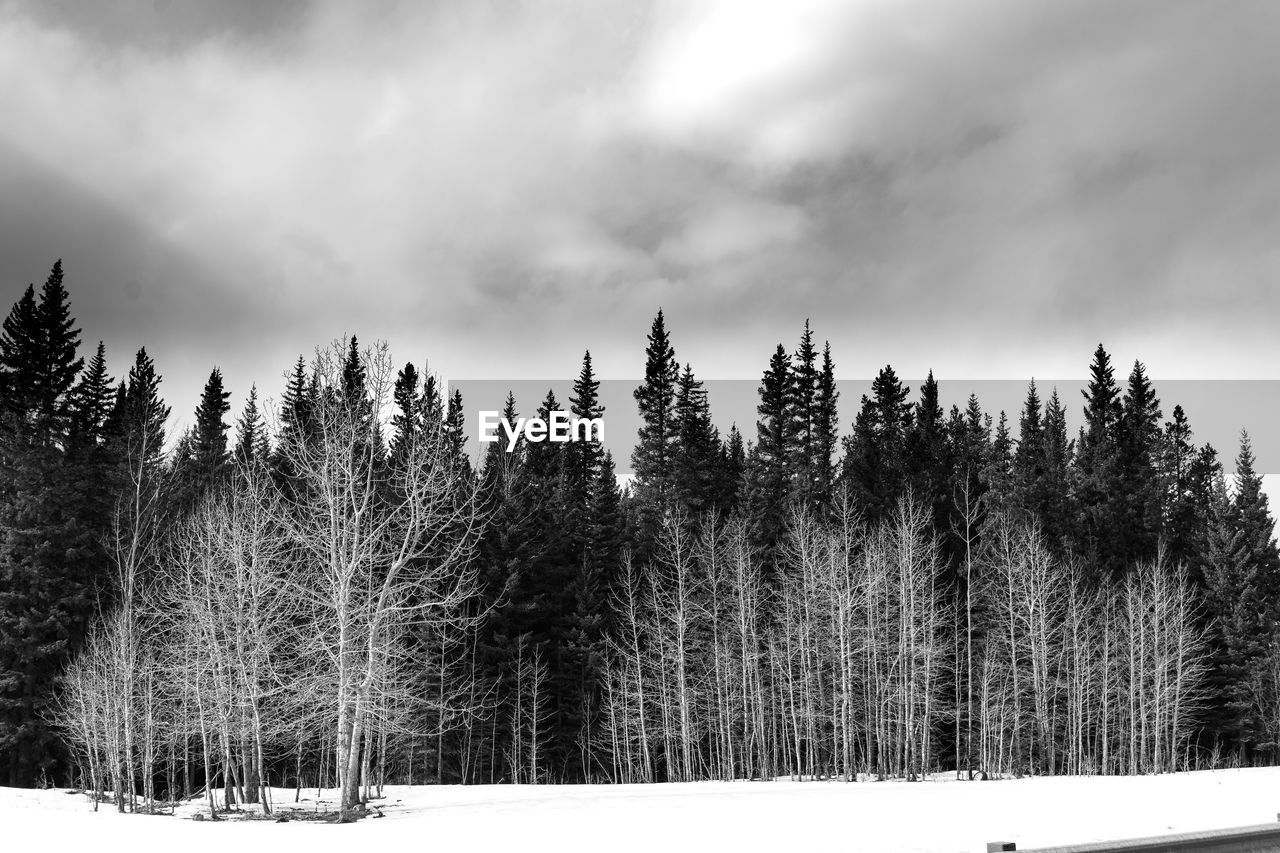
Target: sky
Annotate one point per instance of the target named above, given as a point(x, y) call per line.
point(985, 189)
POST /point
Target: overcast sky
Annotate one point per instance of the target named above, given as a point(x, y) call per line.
point(987, 189)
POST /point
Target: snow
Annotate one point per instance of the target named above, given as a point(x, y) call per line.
point(937, 815)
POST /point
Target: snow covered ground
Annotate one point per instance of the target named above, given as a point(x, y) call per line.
point(886, 817)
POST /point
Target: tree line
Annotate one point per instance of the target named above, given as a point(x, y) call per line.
point(332, 594)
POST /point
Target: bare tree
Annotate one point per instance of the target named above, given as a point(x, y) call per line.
point(390, 545)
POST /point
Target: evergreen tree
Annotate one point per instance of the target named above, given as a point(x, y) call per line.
point(826, 425)
point(804, 415)
point(1257, 526)
point(1181, 527)
point(455, 431)
point(432, 405)
point(769, 466)
point(91, 402)
point(998, 470)
point(928, 459)
point(19, 354)
point(209, 457)
point(733, 465)
point(583, 458)
point(141, 416)
point(46, 580)
point(656, 398)
point(298, 404)
point(1054, 506)
point(875, 454)
point(1028, 459)
point(696, 456)
point(253, 445)
point(1138, 495)
point(406, 422)
point(584, 403)
point(1242, 580)
point(1098, 473)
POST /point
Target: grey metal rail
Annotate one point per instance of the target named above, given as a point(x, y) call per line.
point(1262, 838)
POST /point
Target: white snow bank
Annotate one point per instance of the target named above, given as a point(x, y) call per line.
point(937, 815)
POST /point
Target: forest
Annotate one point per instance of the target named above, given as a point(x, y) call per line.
point(328, 591)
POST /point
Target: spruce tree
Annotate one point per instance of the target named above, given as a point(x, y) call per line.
point(651, 459)
point(804, 414)
point(928, 462)
point(583, 457)
point(1138, 495)
point(19, 355)
point(696, 457)
point(406, 422)
point(1098, 478)
point(1257, 526)
point(455, 431)
point(997, 472)
point(1180, 528)
point(253, 444)
point(210, 457)
point(141, 416)
point(826, 426)
point(875, 467)
point(733, 464)
point(1054, 505)
point(1242, 581)
point(46, 559)
point(91, 402)
point(769, 467)
point(656, 398)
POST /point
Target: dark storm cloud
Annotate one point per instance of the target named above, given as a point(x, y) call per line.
point(167, 24)
point(983, 188)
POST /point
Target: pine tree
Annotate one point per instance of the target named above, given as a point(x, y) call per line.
point(1242, 580)
point(1138, 486)
point(46, 580)
point(1098, 473)
point(656, 398)
point(210, 458)
point(1255, 522)
point(583, 457)
point(803, 405)
point(406, 422)
point(1233, 623)
point(733, 465)
point(1180, 527)
point(253, 444)
point(651, 459)
point(141, 416)
point(998, 470)
point(297, 405)
point(1054, 506)
point(696, 456)
point(587, 632)
point(928, 461)
point(770, 464)
point(1028, 459)
point(91, 402)
point(825, 428)
point(353, 375)
point(433, 404)
point(455, 430)
point(19, 354)
point(875, 453)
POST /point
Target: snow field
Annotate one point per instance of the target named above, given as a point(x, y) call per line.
point(877, 817)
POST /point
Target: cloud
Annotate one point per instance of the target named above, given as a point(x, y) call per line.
point(986, 188)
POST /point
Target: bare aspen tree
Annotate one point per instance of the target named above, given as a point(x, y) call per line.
point(389, 545)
